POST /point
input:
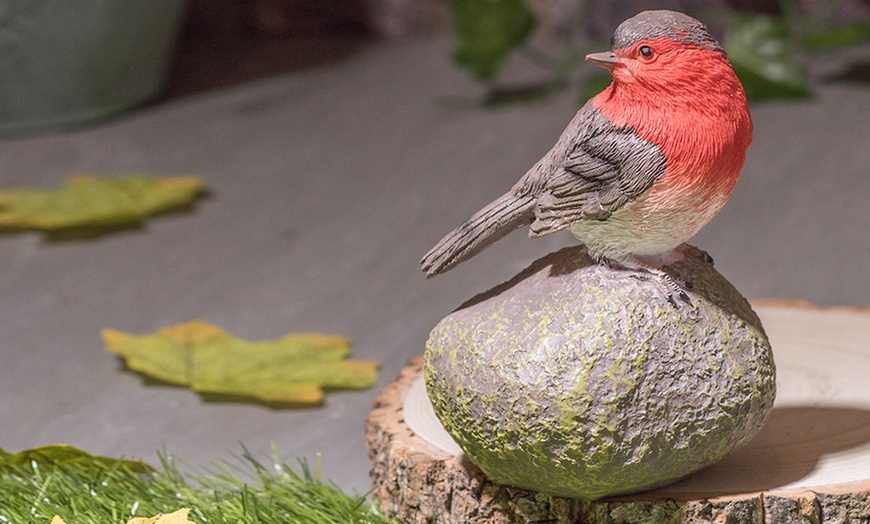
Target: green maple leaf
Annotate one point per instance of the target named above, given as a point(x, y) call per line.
point(295, 369)
point(61, 456)
point(89, 206)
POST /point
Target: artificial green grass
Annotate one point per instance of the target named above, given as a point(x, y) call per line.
point(59, 480)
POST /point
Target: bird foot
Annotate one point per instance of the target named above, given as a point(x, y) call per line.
point(647, 267)
point(672, 289)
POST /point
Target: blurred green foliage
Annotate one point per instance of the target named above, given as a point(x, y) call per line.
point(487, 32)
point(848, 35)
point(761, 53)
point(763, 49)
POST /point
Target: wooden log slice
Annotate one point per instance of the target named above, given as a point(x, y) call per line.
point(810, 463)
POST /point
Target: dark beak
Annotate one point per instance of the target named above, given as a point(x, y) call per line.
point(607, 60)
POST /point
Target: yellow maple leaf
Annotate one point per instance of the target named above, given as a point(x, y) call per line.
point(88, 206)
point(295, 369)
point(176, 517)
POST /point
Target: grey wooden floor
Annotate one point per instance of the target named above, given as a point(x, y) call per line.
point(327, 185)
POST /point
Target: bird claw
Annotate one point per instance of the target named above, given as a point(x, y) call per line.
point(672, 288)
point(680, 292)
point(676, 290)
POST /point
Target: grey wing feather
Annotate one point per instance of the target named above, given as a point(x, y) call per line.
point(599, 168)
point(594, 168)
point(491, 223)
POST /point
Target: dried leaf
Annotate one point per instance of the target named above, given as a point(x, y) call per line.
point(91, 206)
point(176, 517)
point(294, 369)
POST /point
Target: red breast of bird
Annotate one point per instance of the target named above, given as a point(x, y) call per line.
point(688, 101)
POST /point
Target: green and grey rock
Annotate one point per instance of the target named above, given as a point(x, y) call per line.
point(581, 380)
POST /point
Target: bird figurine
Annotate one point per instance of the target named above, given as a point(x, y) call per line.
point(642, 166)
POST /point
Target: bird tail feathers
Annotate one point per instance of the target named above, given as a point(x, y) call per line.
point(494, 221)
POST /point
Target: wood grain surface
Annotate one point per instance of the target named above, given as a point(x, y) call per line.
point(810, 463)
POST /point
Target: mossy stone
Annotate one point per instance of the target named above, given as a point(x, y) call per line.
point(581, 380)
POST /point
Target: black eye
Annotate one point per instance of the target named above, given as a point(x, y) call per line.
point(646, 51)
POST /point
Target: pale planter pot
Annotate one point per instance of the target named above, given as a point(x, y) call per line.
point(65, 63)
